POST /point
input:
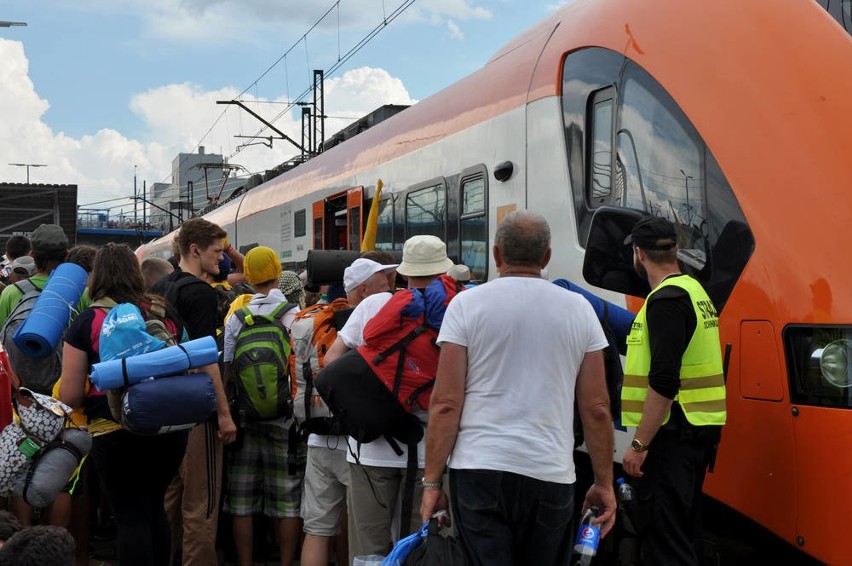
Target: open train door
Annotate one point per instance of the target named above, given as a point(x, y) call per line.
point(337, 221)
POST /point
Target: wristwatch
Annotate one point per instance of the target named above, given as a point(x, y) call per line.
point(431, 484)
point(637, 445)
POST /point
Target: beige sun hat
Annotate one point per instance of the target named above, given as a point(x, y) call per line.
point(423, 256)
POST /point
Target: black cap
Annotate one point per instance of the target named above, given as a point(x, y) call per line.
point(648, 232)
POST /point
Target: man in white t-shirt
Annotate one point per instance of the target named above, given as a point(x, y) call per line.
point(377, 479)
point(514, 352)
point(327, 472)
point(259, 480)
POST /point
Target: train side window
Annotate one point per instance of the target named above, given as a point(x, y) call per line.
point(300, 223)
point(600, 154)
point(426, 212)
point(355, 228)
point(474, 228)
point(384, 234)
point(317, 233)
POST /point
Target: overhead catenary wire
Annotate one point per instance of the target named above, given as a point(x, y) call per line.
point(342, 61)
point(292, 102)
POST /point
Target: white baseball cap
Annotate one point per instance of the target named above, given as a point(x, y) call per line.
point(361, 270)
point(24, 265)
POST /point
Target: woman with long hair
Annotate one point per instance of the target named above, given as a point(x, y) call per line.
point(135, 470)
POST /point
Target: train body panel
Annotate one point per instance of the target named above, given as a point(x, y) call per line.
point(731, 118)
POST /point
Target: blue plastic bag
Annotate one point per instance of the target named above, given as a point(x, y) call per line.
point(404, 546)
point(123, 334)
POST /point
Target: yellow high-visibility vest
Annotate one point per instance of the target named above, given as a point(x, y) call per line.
point(702, 383)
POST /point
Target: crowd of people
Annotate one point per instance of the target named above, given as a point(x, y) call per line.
point(491, 433)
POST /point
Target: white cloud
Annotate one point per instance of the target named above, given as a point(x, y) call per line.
point(455, 30)
point(221, 21)
point(557, 5)
point(175, 117)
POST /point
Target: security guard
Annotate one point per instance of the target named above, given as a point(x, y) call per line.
point(674, 394)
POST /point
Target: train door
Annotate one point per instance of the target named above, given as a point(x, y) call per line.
point(337, 221)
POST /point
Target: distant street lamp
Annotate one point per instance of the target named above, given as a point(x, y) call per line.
point(28, 165)
point(10, 24)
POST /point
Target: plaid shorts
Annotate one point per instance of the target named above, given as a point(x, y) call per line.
point(258, 477)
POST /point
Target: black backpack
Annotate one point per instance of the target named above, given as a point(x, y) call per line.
point(377, 412)
point(614, 379)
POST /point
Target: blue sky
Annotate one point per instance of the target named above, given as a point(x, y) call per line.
point(94, 87)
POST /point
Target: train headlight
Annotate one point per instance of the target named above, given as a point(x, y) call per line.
point(819, 364)
point(834, 363)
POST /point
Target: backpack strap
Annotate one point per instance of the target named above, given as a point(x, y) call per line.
point(26, 286)
point(400, 344)
point(407, 505)
point(104, 303)
point(244, 315)
point(279, 311)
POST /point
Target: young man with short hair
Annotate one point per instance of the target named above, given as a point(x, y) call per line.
point(194, 494)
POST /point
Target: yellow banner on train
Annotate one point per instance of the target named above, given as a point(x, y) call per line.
point(368, 243)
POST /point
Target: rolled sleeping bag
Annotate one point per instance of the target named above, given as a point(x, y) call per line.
point(157, 406)
point(12, 461)
point(39, 334)
point(166, 362)
point(326, 266)
point(52, 469)
point(618, 318)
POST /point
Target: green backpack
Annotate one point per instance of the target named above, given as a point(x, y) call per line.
point(261, 366)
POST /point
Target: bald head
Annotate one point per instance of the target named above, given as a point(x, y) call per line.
point(523, 238)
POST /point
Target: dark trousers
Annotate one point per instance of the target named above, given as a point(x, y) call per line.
point(135, 471)
point(669, 498)
point(505, 518)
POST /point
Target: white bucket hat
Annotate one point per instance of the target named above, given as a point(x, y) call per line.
point(423, 256)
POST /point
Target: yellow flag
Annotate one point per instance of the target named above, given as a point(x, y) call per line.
point(369, 241)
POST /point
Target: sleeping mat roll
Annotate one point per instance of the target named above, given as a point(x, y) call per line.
point(157, 406)
point(168, 361)
point(39, 334)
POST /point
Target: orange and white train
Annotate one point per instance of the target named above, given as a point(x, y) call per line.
point(733, 118)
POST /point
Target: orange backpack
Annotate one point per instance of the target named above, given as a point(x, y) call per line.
point(313, 332)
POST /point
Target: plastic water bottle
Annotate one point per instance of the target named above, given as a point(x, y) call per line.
point(588, 536)
point(626, 493)
point(626, 501)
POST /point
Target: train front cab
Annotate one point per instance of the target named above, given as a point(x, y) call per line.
point(631, 149)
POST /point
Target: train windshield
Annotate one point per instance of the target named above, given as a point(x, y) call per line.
point(631, 146)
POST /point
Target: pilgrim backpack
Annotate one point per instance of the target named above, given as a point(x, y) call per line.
point(369, 390)
point(156, 324)
point(313, 332)
point(372, 391)
point(37, 374)
point(261, 368)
